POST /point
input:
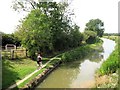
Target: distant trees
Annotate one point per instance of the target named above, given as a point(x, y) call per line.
point(47, 30)
point(95, 25)
point(10, 39)
point(111, 34)
point(93, 30)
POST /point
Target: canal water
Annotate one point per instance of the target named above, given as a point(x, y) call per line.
point(78, 74)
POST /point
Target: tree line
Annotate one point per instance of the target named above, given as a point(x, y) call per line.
point(111, 34)
point(48, 29)
point(10, 39)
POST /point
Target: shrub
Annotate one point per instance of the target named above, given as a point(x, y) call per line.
point(77, 53)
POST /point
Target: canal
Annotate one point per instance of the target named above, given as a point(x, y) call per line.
point(80, 73)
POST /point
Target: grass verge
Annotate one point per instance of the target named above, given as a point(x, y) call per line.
point(39, 72)
point(110, 67)
point(15, 70)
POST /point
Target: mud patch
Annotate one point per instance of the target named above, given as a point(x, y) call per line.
point(88, 84)
point(107, 81)
point(102, 80)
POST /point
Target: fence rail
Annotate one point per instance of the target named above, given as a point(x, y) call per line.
point(14, 53)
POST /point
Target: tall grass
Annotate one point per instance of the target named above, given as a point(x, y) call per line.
point(112, 64)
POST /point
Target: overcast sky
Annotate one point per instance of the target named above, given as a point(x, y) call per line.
point(106, 10)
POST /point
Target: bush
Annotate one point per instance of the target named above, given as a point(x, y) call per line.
point(77, 53)
point(90, 36)
point(80, 52)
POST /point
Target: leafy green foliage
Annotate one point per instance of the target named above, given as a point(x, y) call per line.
point(90, 36)
point(10, 39)
point(47, 29)
point(111, 64)
point(79, 52)
point(36, 35)
point(95, 25)
point(75, 54)
point(111, 34)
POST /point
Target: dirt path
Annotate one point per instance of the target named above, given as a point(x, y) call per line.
point(21, 81)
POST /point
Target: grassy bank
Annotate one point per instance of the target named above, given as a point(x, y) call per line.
point(51, 64)
point(110, 67)
point(15, 70)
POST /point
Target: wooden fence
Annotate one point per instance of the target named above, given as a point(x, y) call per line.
point(14, 53)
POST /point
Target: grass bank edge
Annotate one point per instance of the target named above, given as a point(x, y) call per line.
point(111, 67)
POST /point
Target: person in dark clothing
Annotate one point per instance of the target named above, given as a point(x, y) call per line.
point(39, 60)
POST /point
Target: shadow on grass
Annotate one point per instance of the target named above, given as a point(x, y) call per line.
point(8, 75)
point(20, 61)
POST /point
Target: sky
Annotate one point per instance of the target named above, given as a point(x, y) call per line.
point(105, 10)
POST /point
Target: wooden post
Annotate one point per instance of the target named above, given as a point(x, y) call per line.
point(12, 54)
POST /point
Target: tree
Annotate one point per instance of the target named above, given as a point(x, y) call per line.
point(95, 25)
point(76, 36)
point(10, 39)
point(36, 34)
point(90, 36)
point(48, 29)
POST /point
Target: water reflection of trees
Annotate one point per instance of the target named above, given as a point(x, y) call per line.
point(96, 57)
point(72, 64)
point(61, 77)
